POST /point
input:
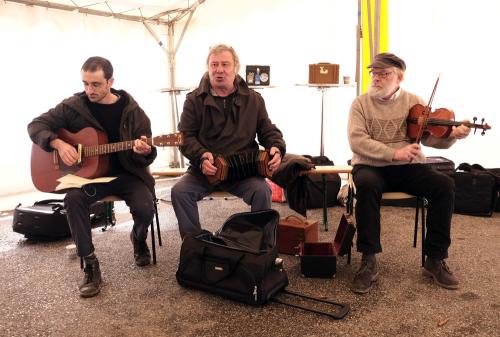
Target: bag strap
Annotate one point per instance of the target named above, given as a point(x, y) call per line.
point(57, 204)
point(339, 314)
point(48, 201)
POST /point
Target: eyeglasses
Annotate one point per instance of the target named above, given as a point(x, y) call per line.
point(381, 75)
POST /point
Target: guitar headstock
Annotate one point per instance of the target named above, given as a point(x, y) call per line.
point(483, 126)
point(172, 139)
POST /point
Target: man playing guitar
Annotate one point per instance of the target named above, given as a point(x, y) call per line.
point(117, 114)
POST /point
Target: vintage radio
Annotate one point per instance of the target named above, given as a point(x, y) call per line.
point(258, 75)
point(292, 231)
point(319, 259)
point(324, 73)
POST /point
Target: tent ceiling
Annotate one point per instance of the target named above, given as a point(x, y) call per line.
point(153, 11)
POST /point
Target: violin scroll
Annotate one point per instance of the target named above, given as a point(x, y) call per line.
point(481, 126)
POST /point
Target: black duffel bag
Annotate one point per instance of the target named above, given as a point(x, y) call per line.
point(238, 262)
point(476, 190)
point(313, 185)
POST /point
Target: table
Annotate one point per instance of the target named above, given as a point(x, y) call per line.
point(331, 169)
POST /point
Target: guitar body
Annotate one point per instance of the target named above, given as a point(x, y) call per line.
point(47, 167)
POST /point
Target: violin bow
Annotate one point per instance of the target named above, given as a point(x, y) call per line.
point(426, 113)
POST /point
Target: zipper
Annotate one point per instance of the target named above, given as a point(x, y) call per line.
point(255, 293)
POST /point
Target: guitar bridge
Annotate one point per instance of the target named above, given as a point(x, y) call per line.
point(79, 149)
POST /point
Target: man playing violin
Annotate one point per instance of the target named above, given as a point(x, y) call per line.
point(384, 159)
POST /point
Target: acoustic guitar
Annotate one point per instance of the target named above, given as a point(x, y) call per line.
point(92, 147)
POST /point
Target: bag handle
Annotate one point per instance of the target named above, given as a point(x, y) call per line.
point(295, 219)
point(57, 203)
point(339, 314)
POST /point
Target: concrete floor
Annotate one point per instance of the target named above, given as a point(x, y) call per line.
point(39, 286)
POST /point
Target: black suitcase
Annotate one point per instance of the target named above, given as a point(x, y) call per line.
point(238, 262)
point(476, 190)
point(46, 219)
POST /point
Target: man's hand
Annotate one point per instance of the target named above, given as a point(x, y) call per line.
point(275, 162)
point(141, 146)
point(207, 165)
point(408, 153)
point(67, 152)
point(461, 131)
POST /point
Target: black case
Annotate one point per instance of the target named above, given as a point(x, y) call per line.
point(477, 190)
point(441, 164)
point(313, 185)
point(238, 262)
point(46, 219)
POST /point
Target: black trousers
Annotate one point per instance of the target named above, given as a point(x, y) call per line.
point(417, 179)
point(128, 187)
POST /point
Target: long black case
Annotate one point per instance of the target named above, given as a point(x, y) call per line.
point(477, 190)
point(238, 261)
point(46, 219)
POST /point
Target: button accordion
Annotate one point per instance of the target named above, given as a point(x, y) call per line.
point(241, 165)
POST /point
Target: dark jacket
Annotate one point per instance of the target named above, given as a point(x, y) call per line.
point(206, 128)
point(73, 114)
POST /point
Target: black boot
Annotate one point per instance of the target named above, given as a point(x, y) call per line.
point(142, 255)
point(91, 284)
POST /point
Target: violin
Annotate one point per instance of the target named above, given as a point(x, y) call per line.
point(438, 123)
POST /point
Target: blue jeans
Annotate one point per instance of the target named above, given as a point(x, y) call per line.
point(191, 188)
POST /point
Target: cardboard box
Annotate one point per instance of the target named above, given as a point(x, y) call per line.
point(319, 259)
point(324, 73)
point(258, 75)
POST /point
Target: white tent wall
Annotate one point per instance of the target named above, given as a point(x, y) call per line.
point(42, 52)
point(456, 39)
point(288, 36)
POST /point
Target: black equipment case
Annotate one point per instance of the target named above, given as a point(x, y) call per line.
point(239, 261)
point(46, 219)
point(477, 190)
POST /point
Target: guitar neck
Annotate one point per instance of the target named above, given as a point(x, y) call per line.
point(97, 150)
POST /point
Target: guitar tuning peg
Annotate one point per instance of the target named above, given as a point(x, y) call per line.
point(474, 119)
point(482, 121)
point(483, 133)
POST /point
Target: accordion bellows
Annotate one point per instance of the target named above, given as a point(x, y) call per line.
point(241, 165)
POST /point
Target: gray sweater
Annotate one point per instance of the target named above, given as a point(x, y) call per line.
point(377, 128)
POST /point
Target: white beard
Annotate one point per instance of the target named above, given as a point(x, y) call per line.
point(377, 92)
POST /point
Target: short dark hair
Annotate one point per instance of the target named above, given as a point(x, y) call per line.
point(95, 63)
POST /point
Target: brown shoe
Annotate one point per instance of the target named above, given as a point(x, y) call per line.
point(142, 255)
point(366, 275)
point(439, 271)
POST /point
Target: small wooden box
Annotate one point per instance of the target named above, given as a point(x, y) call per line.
point(319, 259)
point(292, 231)
point(324, 73)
